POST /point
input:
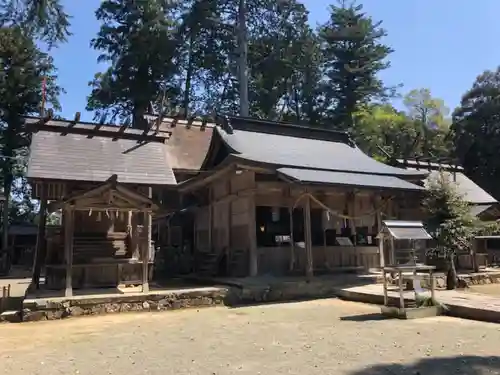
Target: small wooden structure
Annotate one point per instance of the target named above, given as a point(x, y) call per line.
point(402, 242)
point(106, 239)
point(403, 259)
point(105, 181)
point(278, 198)
point(408, 310)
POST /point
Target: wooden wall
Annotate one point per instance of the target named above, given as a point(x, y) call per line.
point(226, 224)
point(229, 222)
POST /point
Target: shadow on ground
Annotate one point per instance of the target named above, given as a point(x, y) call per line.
point(363, 318)
point(469, 365)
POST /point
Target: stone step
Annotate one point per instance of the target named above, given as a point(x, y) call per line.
point(10, 316)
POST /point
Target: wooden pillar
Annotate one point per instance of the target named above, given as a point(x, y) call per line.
point(68, 248)
point(210, 220)
point(147, 227)
point(381, 250)
point(40, 249)
point(145, 244)
point(308, 237)
point(252, 237)
point(292, 243)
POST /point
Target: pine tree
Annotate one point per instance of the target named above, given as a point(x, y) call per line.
point(43, 20)
point(23, 67)
point(353, 57)
point(139, 40)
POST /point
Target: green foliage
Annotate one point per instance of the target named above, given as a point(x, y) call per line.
point(420, 130)
point(139, 40)
point(23, 67)
point(353, 57)
point(45, 20)
point(449, 217)
point(476, 130)
point(428, 301)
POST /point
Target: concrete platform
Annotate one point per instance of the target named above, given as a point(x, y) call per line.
point(459, 304)
point(49, 306)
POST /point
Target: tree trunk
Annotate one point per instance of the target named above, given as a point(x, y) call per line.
point(6, 253)
point(242, 58)
point(451, 276)
point(189, 75)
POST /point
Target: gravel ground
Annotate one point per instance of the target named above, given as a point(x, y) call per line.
point(320, 337)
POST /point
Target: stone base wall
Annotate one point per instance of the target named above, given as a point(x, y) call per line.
point(37, 309)
point(465, 281)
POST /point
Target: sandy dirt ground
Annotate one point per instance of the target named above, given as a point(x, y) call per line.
point(319, 337)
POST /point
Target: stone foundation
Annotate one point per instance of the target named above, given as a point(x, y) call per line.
point(465, 281)
point(59, 308)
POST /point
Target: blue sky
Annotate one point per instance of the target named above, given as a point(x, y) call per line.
point(439, 44)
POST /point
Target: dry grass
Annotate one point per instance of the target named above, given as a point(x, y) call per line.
point(320, 337)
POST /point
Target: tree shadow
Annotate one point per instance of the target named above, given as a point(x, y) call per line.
point(460, 365)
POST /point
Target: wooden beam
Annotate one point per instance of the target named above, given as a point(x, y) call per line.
point(113, 132)
point(68, 249)
point(40, 249)
point(202, 180)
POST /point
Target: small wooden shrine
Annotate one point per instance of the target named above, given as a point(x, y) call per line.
point(103, 181)
point(105, 239)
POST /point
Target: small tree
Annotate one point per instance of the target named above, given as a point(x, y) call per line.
point(450, 219)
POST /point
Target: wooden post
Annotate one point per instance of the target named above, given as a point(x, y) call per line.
point(381, 249)
point(433, 291)
point(252, 237)
point(308, 238)
point(148, 220)
point(292, 244)
point(68, 248)
point(386, 297)
point(210, 220)
point(40, 249)
point(392, 253)
point(401, 296)
point(145, 244)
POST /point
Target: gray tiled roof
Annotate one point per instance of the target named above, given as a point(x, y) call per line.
point(478, 209)
point(81, 158)
point(289, 151)
point(471, 192)
point(347, 179)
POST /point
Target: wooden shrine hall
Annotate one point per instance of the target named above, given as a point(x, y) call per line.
point(102, 179)
point(278, 198)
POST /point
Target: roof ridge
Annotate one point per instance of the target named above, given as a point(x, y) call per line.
point(230, 122)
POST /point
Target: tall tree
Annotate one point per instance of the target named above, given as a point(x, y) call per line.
point(476, 130)
point(353, 56)
point(139, 40)
point(384, 132)
point(278, 52)
point(44, 20)
point(23, 68)
point(430, 114)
